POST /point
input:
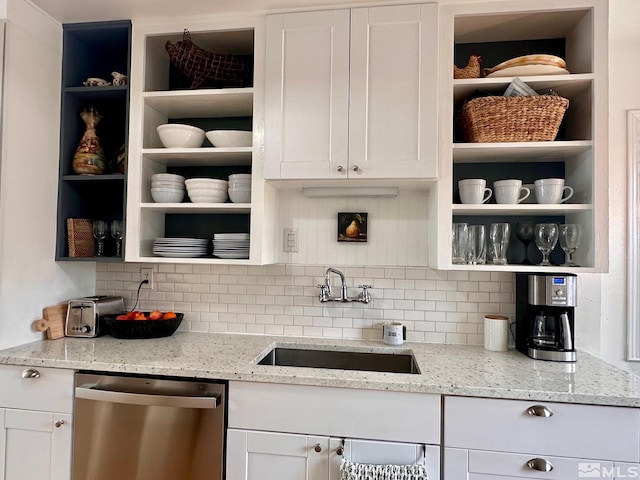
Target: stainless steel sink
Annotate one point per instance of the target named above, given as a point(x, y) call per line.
point(342, 360)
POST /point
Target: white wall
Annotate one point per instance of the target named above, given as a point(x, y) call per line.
point(29, 277)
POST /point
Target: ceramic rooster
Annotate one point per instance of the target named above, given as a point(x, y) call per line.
point(472, 70)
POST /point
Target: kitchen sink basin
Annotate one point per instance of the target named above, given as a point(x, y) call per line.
point(342, 360)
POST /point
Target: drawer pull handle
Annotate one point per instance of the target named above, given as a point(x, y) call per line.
point(540, 464)
point(59, 423)
point(317, 448)
point(340, 168)
point(539, 411)
point(340, 451)
point(30, 373)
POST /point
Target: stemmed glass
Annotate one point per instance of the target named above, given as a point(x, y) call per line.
point(116, 233)
point(570, 236)
point(546, 235)
point(100, 233)
point(525, 233)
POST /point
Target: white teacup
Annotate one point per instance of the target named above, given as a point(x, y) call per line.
point(510, 191)
point(474, 191)
point(551, 190)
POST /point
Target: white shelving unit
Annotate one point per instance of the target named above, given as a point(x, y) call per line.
point(158, 98)
point(580, 153)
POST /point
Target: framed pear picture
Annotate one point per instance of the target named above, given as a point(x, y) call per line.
point(352, 227)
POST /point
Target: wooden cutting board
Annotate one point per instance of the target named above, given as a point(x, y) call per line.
point(53, 321)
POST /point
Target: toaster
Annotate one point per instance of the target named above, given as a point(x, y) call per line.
point(84, 315)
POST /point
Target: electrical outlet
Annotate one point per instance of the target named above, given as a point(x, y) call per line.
point(147, 274)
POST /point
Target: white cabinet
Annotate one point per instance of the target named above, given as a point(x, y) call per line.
point(486, 437)
point(352, 94)
point(158, 97)
point(576, 31)
point(253, 455)
point(35, 423)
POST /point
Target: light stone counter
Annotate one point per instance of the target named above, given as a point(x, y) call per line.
point(445, 369)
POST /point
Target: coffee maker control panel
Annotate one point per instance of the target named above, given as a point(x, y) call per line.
point(557, 291)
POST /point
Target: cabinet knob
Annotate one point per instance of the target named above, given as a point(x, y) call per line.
point(30, 373)
point(318, 448)
point(539, 411)
point(59, 423)
point(540, 464)
point(355, 168)
point(340, 451)
point(340, 168)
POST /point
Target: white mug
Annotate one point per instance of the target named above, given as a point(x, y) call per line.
point(551, 191)
point(393, 333)
point(474, 191)
point(510, 191)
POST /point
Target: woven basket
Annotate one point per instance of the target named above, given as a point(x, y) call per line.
point(513, 119)
point(201, 65)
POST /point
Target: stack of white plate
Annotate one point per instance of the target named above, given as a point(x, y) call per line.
point(231, 245)
point(180, 247)
point(240, 188)
point(167, 188)
point(207, 190)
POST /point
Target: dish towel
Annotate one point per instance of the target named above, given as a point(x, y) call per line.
point(368, 471)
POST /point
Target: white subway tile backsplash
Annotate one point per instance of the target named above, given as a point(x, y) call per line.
point(435, 306)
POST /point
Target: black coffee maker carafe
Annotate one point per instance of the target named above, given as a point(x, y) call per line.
point(545, 313)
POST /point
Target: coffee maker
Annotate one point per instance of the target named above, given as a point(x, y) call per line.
point(545, 313)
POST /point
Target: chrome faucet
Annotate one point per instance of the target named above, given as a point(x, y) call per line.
point(325, 290)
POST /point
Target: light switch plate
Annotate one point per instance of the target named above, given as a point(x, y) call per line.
point(290, 240)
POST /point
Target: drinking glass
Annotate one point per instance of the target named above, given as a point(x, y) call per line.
point(460, 232)
point(546, 236)
point(100, 233)
point(570, 236)
point(499, 242)
point(476, 246)
point(525, 233)
point(116, 233)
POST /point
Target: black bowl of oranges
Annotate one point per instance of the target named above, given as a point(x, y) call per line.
point(137, 324)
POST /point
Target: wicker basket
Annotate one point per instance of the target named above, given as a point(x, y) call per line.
point(513, 119)
point(223, 70)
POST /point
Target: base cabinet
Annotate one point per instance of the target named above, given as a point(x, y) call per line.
point(35, 445)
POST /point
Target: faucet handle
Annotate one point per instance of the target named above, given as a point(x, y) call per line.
point(365, 296)
point(325, 291)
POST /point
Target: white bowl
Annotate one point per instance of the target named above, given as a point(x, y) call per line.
point(240, 177)
point(205, 182)
point(239, 190)
point(240, 197)
point(230, 138)
point(177, 135)
point(239, 184)
point(174, 186)
point(163, 196)
point(207, 191)
point(167, 177)
point(208, 198)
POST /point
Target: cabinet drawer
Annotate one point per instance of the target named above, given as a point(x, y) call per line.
point(51, 390)
point(582, 431)
point(340, 412)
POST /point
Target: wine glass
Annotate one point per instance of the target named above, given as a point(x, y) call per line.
point(570, 236)
point(525, 233)
point(116, 233)
point(546, 236)
point(100, 233)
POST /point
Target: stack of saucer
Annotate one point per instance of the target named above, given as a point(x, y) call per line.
point(180, 247)
point(231, 245)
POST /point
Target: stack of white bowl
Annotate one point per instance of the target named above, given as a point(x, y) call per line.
point(167, 188)
point(240, 188)
point(207, 190)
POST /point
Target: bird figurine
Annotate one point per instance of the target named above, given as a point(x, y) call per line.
point(472, 70)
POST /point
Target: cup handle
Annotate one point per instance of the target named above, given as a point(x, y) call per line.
point(570, 190)
point(527, 192)
point(488, 192)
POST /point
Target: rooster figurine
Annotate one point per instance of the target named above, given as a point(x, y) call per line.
point(472, 70)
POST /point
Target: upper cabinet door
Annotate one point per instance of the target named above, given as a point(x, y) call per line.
point(393, 130)
point(307, 94)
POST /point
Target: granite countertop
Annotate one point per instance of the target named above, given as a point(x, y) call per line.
point(445, 369)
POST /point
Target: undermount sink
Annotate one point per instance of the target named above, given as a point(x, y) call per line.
point(343, 360)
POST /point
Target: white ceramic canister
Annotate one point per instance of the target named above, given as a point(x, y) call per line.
point(393, 333)
point(496, 333)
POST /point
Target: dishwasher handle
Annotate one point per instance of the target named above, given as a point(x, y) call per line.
point(147, 400)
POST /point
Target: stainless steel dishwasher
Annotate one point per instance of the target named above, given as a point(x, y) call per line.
point(138, 428)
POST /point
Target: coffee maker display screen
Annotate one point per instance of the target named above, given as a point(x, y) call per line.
point(559, 280)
